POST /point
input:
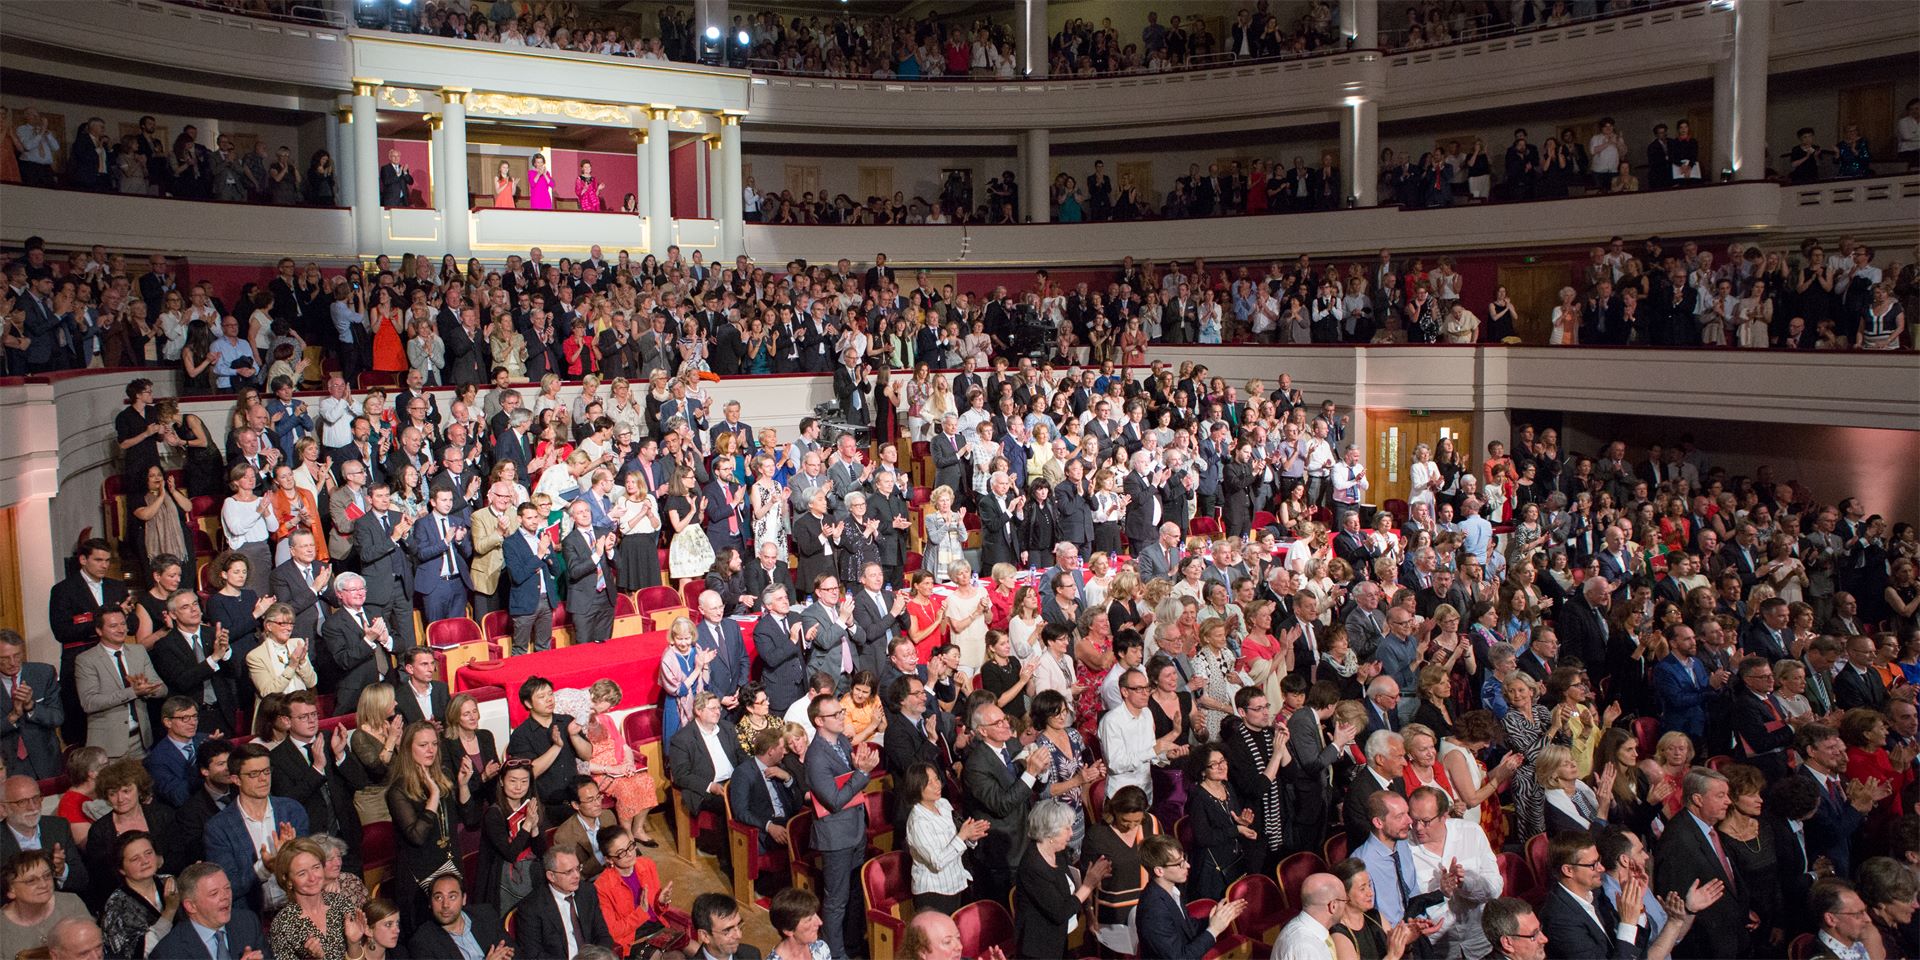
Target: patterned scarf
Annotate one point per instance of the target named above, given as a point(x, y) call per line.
point(1259, 744)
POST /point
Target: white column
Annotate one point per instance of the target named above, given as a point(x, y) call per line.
point(1720, 148)
point(451, 192)
point(367, 215)
point(732, 214)
point(713, 187)
point(1037, 193)
point(340, 146)
point(1360, 23)
point(1032, 38)
point(1360, 149)
point(659, 184)
point(1752, 25)
point(712, 13)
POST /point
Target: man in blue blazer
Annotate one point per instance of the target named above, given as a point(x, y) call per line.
point(30, 722)
point(729, 672)
point(229, 844)
point(836, 774)
point(213, 927)
point(1165, 928)
point(531, 586)
point(1684, 685)
point(440, 548)
point(171, 761)
point(776, 642)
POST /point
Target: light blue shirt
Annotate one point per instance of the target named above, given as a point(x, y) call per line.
point(1655, 913)
point(468, 946)
point(207, 938)
point(224, 353)
point(1477, 534)
point(1396, 656)
point(1379, 860)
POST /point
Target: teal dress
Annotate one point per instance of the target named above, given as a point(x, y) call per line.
point(1071, 211)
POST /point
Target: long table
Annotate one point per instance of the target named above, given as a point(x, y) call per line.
point(632, 661)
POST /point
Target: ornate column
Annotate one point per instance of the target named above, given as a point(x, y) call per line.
point(659, 182)
point(1752, 26)
point(450, 194)
point(367, 215)
point(1037, 193)
point(1032, 39)
point(1360, 149)
point(733, 204)
point(1360, 23)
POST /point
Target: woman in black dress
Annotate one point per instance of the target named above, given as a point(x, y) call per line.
point(1039, 529)
point(1048, 899)
point(1116, 837)
point(1219, 822)
point(510, 840)
point(426, 806)
point(1358, 933)
point(206, 470)
point(638, 555)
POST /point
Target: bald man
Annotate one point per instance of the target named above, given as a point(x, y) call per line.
point(931, 936)
point(1308, 936)
point(75, 938)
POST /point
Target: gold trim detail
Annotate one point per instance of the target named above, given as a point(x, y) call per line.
point(455, 95)
point(400, 98)
point(511, 105)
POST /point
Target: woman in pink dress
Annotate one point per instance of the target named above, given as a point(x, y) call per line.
point(615, 767)
point(539, 184)
point(586, 189)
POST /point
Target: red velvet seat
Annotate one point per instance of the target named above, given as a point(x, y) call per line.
point(1266, 909)
point(1294, 871)
point(984, 924)
point(624, 606)
point(1647, 731)
point(1803, 947)
point(1337, 847)
point(658, 598)
point(641, 726)
point(1397, 508)
point(453, 632)
point(1537, 856)
point(888, 884)
point(1204, 527)
point(914, 561)
point(749, 860)
point(879, 819)
point(1199, 908)
point(497, 625)
point(1516, 878)
point(1262, 519)
point(377, 846)
point(800, 852)
point(690, 593)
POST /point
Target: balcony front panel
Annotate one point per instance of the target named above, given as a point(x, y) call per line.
point(72, 218)
point(177, 38)
point(558, 233)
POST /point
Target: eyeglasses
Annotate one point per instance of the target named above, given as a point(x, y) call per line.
point(1589, 865)
point(829, 716)
point(1535, 935)
point(1428, 821)
point(619, 852)
point(1131, 687)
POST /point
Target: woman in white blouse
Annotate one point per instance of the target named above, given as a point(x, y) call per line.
point(1053, 668)
point(249, 523)
point(1423, 477)
point(1571, 804)
point(935, 843)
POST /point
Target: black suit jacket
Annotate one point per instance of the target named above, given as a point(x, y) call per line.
point(290, 588)
point(1572, 934)
point(692, 766)
point(54, 830)
point(542, 930)
point(329, 808)
point(753, 803)
point(1685, 856)
point(70, 609)
point(430, 941)
point(1852, 688)
point(394, 186)
point(1359, 789)
point(185, 674)
point(184, 943)
point(409, 706)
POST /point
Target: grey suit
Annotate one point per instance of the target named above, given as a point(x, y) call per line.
point(841, 836)
point(827, 643)
point(105, 699)
point(1365, 630)
point(1157, 562)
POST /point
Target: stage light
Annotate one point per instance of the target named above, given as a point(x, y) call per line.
point(713, 33)
point(743, 38)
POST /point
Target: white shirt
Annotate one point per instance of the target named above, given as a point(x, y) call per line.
point(336, 421)
point(1303, 938)
point(1128, 742)
point(1350, 482)
point(722, 765)
point(261, 832)
point(566, 918)
point(936, 848)
point(1466, 843)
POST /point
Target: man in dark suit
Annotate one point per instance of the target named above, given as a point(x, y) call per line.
point(30, 725)
point(531, 585)
point(71, 606)
point(1002, 784)
point(728, 674)
point(417, 695)
point(949, 470)
point(1860, 686)
point(360, 642)
point(441, 566)
point(1073, 500)
point(761, 793)
point(171, 761)
point(1691, 852)
point(560, 917)
point(457, 925)
point(716, 927)
point(1385, 770)
point(875, 275)
point(189, 659)
point(766, 569)
point(778, 646)
point(388, 576)
point(1580, 922)
point(689, 755)
point(1582, 625)
point(306, 769)
point(1144, 511)
point(1767, 634)
point(836, 775)
point(23, 804)
point(1759, 721)
point(852, 382)
point(1311, 773)
point(213, 793)
point(879, 615)
point(913, 730)
point(217, 928)
point(1843, 804)
point(301, 583)
point(887, 503)
point(590, 583)
point(1000, 523)
point(1159, 559)
point(396, 182)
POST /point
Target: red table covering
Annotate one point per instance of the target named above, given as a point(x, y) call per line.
point(631, 661)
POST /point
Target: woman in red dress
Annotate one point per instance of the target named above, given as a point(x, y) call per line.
point(925, 624)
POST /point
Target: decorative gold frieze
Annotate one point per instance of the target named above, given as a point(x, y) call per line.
point(510, 105)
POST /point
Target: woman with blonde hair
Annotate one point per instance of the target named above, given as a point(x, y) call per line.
point(1568, 802)
point(613, 765)
point(426, 806)
point(946, 532)
point(370, 750)
point(314, 924)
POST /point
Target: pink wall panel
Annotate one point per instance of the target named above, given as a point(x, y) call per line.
point(618, 173)
point(683, 162)
point(417, 155)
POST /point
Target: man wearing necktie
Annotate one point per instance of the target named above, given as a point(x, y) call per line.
point(728, 673)
point(378, 537)
point(1002, 786)
point(33, 711)
point(590, 585)
point(213, 926)
point(301, 582)
point(836, 775)
point(360, 642)
point(440, 550)
point(193, 659)
point(1691, 850)
point(112, 678)
point(1760, 720)
point(1388, 854)
point(1581, 922)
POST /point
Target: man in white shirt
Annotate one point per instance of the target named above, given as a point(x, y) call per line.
point(1452, 856)
point(1309, 936)
point(336, 413)
point(1126, 738)
point(1350, 483)
point(1318, 454)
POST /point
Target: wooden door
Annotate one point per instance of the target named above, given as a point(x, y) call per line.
point(1534, 289)
point(12, 614)
point(875, 182)
point(1393, 436)
point(802, 178)
point(1870, 106)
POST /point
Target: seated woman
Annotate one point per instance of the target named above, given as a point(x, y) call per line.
point(32, 905)
point(128, 790)
point(140, 911)
point(1569, 803)
point(631, 897)
point(613, 765)
point(314, 924)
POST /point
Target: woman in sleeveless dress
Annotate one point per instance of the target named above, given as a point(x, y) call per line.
point(389, 347)
point(966, 613)
point(639, 552)
point(690, 554)
point(769, 508)
point(615, 767)
point(539, 184)
point(504, 186)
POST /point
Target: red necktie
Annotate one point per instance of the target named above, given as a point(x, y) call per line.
point(1713, 836)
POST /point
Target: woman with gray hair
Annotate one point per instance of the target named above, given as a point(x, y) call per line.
point(1049, 900)
point(338, 880)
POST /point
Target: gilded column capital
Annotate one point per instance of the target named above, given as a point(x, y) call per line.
point(364, 86)
point(455, 95)
point(660, 111)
